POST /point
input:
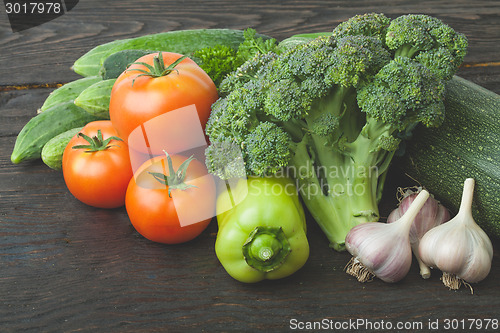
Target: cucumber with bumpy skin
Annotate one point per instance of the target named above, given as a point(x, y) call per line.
point(68, 92)
point(95, 99)
point(178, 41)
point(465, 146)
point(116, 63)
point(46, 125)
point(52, 151)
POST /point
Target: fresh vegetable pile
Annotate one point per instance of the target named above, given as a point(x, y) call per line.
point(334, 111)
point(314, 120)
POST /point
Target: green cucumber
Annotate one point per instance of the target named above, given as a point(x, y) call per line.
point(179, 41)
point(68, 92)
point(52, 151)
point(467, 145)
point(95, 99)
point(46, 125)
point(116, 63)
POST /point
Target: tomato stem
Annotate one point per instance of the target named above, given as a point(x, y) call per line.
point(158, 69)
point(96, 143)
point(174, 179)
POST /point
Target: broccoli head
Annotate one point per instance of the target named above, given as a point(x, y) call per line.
point(331, 112)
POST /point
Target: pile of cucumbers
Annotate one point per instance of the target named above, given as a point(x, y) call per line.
point(70, 107)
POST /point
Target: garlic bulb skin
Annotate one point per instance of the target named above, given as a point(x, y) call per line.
point(383, 249)
point(459, 247)
point(431, 215)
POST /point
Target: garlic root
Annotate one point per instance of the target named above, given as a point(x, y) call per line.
point(454, 282)
point(355, 268)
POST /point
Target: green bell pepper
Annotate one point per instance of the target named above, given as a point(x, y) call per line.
point(262, 230)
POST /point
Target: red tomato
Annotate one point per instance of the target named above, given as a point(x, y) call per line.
point(175, 218)
point(97, 178)
point(137, 98)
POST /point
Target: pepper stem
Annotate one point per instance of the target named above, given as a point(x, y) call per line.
point(266, 248)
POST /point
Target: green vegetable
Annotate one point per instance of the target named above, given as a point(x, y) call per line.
point(465, 146)
point(217, 61)
point(263, 236)
point(116, 63)
point(46, 125)
point(52, 151)
point(68, 92)
point(180, 41)
point(332, 112)
point(220, 60)
point(295, 40)
point(95, 99)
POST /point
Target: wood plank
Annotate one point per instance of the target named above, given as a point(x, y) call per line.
point(45, 54)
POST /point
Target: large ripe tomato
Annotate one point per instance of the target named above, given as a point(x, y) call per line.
point(163, 213)
point(137, 96)
point(98, 178)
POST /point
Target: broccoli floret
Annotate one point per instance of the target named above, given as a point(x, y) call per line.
point(268, 149)
point(225, 159)
point(401, 94)
point(330, 113)
point(246, 72)
point(356, 58)
point(428, 40)
point(324, 124)
point(370, 24)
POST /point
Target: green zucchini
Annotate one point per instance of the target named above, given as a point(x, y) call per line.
point(301, 39)
point(179, 41)
point(52, 151)
point(68, 92)
point(46, 125)
point(466, 145)
point(116, 63)
point(95, 99)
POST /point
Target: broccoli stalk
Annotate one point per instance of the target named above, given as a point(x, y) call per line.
point(330, 113)
point(344, 194)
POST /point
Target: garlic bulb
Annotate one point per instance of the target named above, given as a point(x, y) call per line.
point(431, 215)
point(382, 249)
point(459, 248)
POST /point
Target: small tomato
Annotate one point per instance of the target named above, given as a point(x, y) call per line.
point(96, 166)
point(171, 199)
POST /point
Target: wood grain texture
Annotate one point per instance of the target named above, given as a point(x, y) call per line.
point(46, 53)
point(68, 267)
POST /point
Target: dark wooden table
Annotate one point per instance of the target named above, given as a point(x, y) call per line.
point(68, 267)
